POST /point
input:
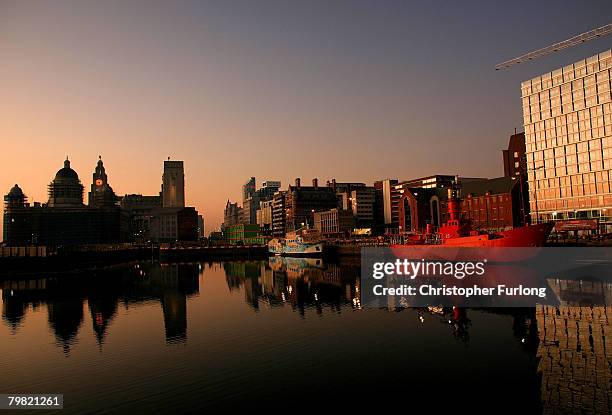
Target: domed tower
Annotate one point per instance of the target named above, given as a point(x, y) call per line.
point(101, 194)
point(15, 199)
point(66, 189)
point(15, 203)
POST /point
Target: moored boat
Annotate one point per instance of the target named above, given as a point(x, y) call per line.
point(303, 242)
point(457, 233)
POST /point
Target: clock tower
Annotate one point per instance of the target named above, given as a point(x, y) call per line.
point(101, 194)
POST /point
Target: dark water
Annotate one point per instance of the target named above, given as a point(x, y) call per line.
point(264, 336)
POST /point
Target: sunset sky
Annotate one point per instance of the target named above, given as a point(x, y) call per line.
point(352, 90)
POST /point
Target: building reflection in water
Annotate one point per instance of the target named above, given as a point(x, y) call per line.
point(570, 343)
point(575, 348)
point(65, 296)
point(302, 283)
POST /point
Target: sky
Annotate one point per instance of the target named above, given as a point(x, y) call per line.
point(352, 90)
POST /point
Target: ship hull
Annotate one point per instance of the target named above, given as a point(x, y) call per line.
point(525, 236)
point(533, 236)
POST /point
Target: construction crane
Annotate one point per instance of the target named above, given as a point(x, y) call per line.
point(573, 41)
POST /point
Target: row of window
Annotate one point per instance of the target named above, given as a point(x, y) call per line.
point(568, 107)
point(596, 116)
point(558, 99)
point(600, 78)
point(586, 202)
point(569, 73)
point(596, 147)
point(573, 185)
point(571, 138)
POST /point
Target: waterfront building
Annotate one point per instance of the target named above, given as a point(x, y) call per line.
point(493, 204)
point(268, 189)
point(279, 214)
point(334, 222)
point(248, 189)
point(301, 202)
point(101, 193)
point(66, 189)
point(515, 158)
point(489, 205)
point(248, 213)
point(174, 224)
point(140, 211)
point(64, 219)
point(264, 217)
point(386, 200)
point(173, 184)
point(244, 234)
point(14, 201)
point(232, 214)
point(201, 233)
point(362, 206)
point(252, 199)
point(344, 187)
point(567, 116)
point(515, 166)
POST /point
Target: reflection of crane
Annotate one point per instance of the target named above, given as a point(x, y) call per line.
point(573, 41)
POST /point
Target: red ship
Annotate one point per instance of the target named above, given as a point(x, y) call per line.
point(458, 233)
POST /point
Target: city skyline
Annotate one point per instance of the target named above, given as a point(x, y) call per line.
point(237, 91)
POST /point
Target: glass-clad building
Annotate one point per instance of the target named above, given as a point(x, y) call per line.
point(568, 135)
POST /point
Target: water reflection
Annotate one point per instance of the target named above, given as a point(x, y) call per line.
point(65, 297)
point(302, 283)
point(568, 347)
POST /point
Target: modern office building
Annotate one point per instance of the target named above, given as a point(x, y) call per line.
point(252, 199)
point(264, 217)
point(362, 205)
point(140, 211)
point(279, 214)
point(173, 184)
point(174, 224)
point(201, 230)
point(334, 222)
point(568, 139)
point(386, 203)
point(268, 189)
point(248, 189)
point(232, 214)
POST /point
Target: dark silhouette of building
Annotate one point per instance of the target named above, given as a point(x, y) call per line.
point(64, 219)
point(279, 214)
point(231, 214)
point(140, 211)
point(515, 161)
point(101, 193)
point(515, 166)
point(173, 184)
point(66, 189)
point(301, 202)
point(386, 199)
